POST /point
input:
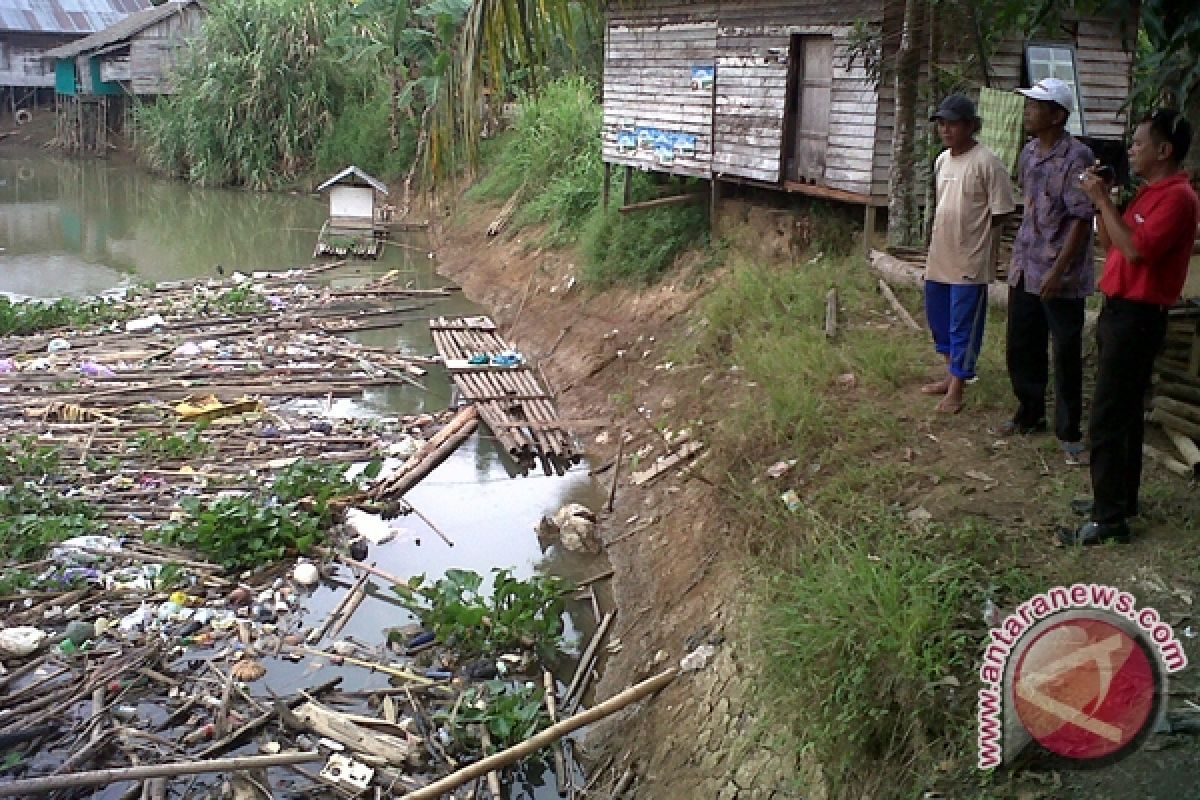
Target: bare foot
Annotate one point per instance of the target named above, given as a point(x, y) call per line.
point(937, 387)
point(952, 403)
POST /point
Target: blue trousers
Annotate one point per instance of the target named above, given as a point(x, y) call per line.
point(957, 314)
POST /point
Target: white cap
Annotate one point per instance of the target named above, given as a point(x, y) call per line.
point(1052, 89)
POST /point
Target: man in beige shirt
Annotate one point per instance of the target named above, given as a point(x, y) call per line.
point(974, 193)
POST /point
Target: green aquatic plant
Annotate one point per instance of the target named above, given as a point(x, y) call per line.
point(524, 614)
point(25, 317)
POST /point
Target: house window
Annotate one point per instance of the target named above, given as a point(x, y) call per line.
point(1056, 61)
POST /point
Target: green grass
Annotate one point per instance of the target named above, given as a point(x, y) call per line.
point(551, 159)
point(851, 639)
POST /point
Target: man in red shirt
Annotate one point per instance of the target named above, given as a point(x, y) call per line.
point(1148, 253)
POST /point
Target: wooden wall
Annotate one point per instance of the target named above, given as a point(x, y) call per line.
point(21, 62)
point(652, 47)
point(1103, 64)
point(656, 115)
point(753, 43)
point(155, 51)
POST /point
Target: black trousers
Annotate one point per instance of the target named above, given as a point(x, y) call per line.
point(1128, 337)
point(1032, 324)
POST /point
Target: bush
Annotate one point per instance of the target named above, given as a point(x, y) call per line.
point(638, 248)
point(552, 157)
point(361, 136)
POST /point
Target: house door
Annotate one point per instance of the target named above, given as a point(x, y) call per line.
point(807, 123)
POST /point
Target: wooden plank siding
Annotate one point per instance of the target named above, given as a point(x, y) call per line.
point(650, 51)
point(753, 50)
point(155, 51)
point(740, 127)
point(21, 61)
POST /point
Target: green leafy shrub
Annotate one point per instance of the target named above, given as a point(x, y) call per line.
point(638, 248)
point(518, 614)
point(241, 532)
point(35, 517)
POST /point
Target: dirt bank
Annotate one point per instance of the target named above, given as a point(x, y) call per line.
point(606, 355)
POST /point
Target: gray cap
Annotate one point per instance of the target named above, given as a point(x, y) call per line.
point(955, 108)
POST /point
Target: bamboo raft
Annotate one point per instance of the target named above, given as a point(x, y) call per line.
point(343, 242)
point(511, 401)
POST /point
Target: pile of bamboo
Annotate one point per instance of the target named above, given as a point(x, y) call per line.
point(1176, 402)
point(510, 399)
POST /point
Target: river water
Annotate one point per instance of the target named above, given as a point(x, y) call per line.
point(80, 227)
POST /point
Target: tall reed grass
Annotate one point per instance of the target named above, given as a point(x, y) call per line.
point(256, 98)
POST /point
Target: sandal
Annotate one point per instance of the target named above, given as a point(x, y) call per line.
point(1076, 453)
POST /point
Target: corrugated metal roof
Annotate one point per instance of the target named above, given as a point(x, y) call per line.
point(356, 172)
point(65, 16)
point(119, 31)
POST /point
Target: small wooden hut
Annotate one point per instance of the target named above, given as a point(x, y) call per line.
point(355, 225)
point(785, 94)
point(97, 76)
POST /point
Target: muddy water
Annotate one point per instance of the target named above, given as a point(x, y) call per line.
point(73, 227)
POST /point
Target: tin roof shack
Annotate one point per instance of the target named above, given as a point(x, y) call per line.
point(777, 93)
point(354, 226)
point(134, 56)
point(28, 28)
point(97, 75)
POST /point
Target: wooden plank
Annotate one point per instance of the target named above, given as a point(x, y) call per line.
point(666, 464)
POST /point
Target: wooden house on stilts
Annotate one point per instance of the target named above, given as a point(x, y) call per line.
point(28, 28)
point(799, 95)
point(98, 78)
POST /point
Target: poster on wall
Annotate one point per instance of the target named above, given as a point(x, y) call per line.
point(662, 146)
point(702, 78)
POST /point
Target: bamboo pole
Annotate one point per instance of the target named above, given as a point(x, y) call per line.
point(1186, 447)
point(582, 675)
point(831, 313)
point(546, 737)
point(1171, 465)
point(120, 774)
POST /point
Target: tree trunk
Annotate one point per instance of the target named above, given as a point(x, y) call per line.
point(902, 205)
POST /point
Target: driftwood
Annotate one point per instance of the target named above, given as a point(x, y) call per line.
point(545, 738)
point(431, 524)
point(1179, 409)
point(119, 774)
point(326, 722)
point(667, 463)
